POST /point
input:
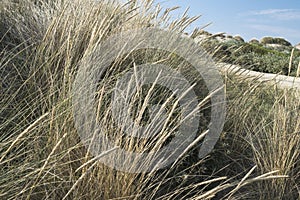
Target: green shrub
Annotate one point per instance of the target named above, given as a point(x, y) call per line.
point(254, 56)
point(270, 40)
point(254, 41)
point(239, 38)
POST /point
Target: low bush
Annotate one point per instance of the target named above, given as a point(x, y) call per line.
point(270, 40)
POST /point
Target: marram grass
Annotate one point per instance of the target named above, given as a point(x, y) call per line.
point(43, 43)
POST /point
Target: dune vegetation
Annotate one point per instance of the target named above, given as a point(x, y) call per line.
point(43, 44)
point(270, 55)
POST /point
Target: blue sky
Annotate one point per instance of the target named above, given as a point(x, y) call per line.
point(248, 18)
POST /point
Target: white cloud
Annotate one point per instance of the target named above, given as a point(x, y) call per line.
point(278, 30)
point(271, 11)
point(279, 14)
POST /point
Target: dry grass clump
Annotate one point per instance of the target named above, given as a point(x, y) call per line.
point(262, 129)
point(42, 46)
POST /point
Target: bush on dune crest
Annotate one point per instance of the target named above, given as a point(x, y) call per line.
point(42, 44)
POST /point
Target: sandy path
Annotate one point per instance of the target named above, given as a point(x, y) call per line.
point(281, 80)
